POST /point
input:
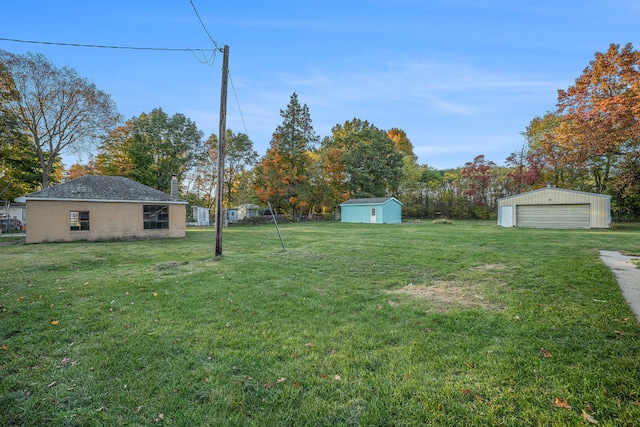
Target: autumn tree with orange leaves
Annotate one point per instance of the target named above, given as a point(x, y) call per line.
point(592, 141)
point(544, 160)
point(601, 113)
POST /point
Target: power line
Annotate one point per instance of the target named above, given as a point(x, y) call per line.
point(168, 49)
point(205, 59)
point(235, 94)
point(238, 102)
point(203, 26)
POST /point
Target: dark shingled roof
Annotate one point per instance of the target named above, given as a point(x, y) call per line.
point(103, 188)
point(369, 201)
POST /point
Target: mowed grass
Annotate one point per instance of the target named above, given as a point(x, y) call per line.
point(355, 324)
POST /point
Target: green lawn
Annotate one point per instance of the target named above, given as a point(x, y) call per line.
point(355, 324)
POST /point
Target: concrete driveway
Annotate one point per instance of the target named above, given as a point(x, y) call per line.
point(627, 276)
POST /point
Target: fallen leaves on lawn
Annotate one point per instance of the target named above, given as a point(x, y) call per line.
point(51, 384)
point(545, 353)
point(281, 380)
point(155, 294)
point(337, 377)
point(559, 403)
point(54, 322)
point(588, 418)
point(160, 418)
point(269, 384)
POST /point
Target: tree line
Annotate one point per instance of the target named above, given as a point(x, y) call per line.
point(590, 142)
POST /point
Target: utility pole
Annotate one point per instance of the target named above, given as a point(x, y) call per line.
point(221, 145)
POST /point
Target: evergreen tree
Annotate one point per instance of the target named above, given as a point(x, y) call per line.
point(282, 176)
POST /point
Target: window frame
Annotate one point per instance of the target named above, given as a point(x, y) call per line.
point(79, 221)
point(155, 217)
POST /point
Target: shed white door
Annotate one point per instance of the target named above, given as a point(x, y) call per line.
point(506, 216)
point(373, 216)
point(553, 216)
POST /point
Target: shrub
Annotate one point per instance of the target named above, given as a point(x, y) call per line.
point(443, 221)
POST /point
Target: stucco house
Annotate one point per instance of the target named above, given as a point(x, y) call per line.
point(552, 207)
point(375, 210)
point(103, 208)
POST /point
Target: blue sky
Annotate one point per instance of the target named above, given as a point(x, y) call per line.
point(460, 77)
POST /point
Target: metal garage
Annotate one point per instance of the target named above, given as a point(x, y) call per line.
point(555, 208)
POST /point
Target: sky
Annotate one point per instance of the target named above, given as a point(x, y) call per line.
point(460, 77)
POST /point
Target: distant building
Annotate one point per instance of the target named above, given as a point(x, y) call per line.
point(376, 210)
point(231, 216)
point(248, 210)
point(13, 210)
point(103, 208)
point(200, 216)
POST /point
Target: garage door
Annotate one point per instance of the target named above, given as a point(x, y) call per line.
point(553, 216)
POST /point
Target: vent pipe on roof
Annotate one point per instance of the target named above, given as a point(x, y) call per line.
point(174, 186)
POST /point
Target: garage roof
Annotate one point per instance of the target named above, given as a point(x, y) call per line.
point(555, 189)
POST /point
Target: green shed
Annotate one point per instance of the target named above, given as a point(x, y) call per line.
point(375, 210)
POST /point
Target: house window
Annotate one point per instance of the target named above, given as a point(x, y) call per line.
point(79, 220)
point(155, 216)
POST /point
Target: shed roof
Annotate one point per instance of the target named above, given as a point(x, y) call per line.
point(555, 189)
point(99, 188)
point(370, 201)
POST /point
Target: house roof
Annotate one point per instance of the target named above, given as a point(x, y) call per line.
point(555, 189)
point(370, 201)
point(98, 188)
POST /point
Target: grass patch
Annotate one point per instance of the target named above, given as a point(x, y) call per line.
point(354, 324)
